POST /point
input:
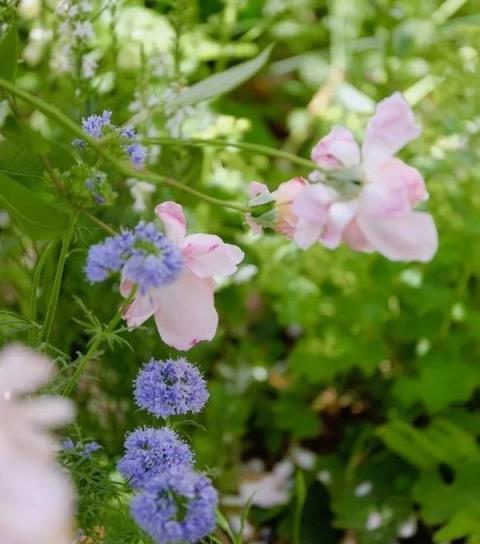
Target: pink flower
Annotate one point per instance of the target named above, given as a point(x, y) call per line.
point(36, 499)
point(184, 310)
point(285, 220)
point(380, 217)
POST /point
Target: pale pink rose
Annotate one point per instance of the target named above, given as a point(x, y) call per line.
point(36, 499)
point(184, 310)
point(285, 220)
point(381, 217)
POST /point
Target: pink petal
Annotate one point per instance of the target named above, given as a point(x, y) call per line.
point(36, 492)
point(337, 150)
point(392, 126)
point(401, 177)
point(254, 226)
point(142, 307)
point(383, 200)
point(340, 214)
point(256, 188)
point(207, 255)
point(355, 239)
point(22, 370)
point(285, 195)
point(126, 287)
point(311, 207)
point(411, 236)
point(47, 411)
point(186, 313)
point(287, 191)
point(173, 220)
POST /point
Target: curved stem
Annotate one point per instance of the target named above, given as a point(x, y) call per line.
point(32, 313)
point(247, 146)
point(119, 165)
point(57, 281)
point(83, 360)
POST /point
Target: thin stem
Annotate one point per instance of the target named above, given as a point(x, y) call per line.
point(57, 281)
point(58, 182)
point(247, 146)
point(98, 145)
point(98, 222)
point(84, 359)
point(300, 493)
point(32, 313)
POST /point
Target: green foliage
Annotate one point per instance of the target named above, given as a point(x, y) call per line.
point(222, 82)
point(37, 218)
point(371, 365)
point(9, 53)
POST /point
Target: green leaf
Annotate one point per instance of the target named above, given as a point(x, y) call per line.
point(224, 81)
point(462, 524)
point(19, 162)
point(292, 414)
point(433, 383)
point(9, 54)
point(441, 442)
point(37, 218)
point(440, 502)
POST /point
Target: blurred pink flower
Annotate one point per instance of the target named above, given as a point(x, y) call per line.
point(285, 220)
point(36, 499)
point(380, 217)
point(184, 310)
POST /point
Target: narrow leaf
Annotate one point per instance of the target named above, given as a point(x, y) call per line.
point(37, 218)
point(9, 54)
point(224, 81)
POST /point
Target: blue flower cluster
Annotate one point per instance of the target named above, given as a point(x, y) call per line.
point(144, 256)
point(150, 452)
point(94, 184)
point(176, 507)
point(173, 503)
point(167, 388)
point(136, 151)
point(85, 450)
point(94, 126)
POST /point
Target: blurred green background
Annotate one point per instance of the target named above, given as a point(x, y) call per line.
point(361, 374)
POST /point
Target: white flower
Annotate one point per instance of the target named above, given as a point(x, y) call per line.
point(374, 521)
point(363, 489)
point(303, 458)
point(89, 64)
point(271, 488)
point(140, 191)
point(83, 30)
point(324, 476)
point(407, 528)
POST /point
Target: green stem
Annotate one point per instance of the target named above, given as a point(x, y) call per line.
point(98, 222)
point(32, 314)
point(247, 146)
point(99, 338)
point(300, 494)
point(57, 280)
point(121, 166)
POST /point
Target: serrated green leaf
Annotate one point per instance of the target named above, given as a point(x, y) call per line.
point(224, 81)
point(37, 218)
point(441, 442)
point(9, 54)
point(441, 501)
